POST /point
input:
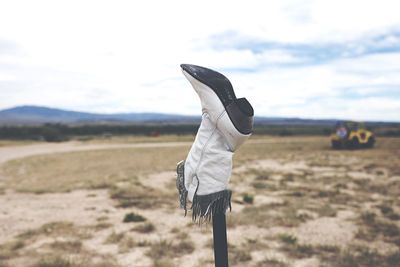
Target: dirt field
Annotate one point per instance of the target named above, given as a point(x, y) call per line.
point(111, 203)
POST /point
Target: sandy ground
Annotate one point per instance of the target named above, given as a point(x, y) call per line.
point(14, 152)
point(54, 207)
point(20, 212)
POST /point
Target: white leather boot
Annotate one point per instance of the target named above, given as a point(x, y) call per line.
point(226, 123)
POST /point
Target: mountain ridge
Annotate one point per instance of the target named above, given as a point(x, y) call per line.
point(35, 115)
point(29, 114)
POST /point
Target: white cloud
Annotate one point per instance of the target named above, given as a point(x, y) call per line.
point(121, 56)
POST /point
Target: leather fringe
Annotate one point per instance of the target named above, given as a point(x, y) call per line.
point(205, 206)
point(180, 185)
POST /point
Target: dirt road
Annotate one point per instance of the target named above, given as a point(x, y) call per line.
point(14, 152)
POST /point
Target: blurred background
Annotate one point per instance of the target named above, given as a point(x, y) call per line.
point(95, 113)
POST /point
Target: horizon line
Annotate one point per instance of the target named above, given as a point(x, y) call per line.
point(192, 115)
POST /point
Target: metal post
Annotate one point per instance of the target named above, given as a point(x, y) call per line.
point(220, 240)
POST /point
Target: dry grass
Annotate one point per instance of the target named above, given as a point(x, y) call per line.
point(282, 214)
point(294, 249)
point(114, 238)
point(239, 256)
point(138, 139)
point(310, 180)
point(358, 256)
point(101, 226)
point(55, 229)
point(278, 147)
point(316, 190)
point(57, 261)
point(66, 249)
point(10, 249)
point(271, 263)
point(163, 263)
point(4, 143)
point(74, 246)
point(374, 227)
point(164, 249)
point(88, 170)
point(144, 228)
point(60, 260)
point(137, 195)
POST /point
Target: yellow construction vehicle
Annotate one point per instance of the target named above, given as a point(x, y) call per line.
point(352, 135)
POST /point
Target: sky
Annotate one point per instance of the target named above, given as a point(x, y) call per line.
point(299, 58)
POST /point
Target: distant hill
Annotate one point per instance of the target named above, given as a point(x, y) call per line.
point(37, 115)
point(33, 115)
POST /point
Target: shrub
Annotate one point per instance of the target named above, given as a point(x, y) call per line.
point(133, 217)
point(247, 198)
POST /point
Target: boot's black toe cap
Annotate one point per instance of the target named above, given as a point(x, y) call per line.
point(239, 110)
point(213, 79)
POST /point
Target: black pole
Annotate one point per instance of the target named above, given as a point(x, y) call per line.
point(220, 240)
